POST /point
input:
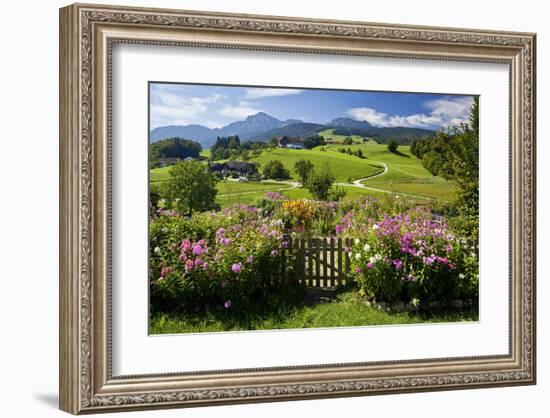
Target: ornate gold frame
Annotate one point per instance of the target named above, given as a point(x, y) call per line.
point(87, 33)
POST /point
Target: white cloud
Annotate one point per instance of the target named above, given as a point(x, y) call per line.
point(259, 93)
point(238, 112)
point(443, 113)
point(169, 108)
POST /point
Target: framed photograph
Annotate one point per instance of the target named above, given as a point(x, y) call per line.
point(259, 208)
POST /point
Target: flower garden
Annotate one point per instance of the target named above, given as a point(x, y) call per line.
point(237, 261)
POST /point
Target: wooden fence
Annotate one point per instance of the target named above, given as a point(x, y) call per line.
point(320, 262)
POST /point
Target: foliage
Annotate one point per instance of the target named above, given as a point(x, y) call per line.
point(314, 141)
point(173, 148)
point(454, 155)
point(225, 147)
point(275, 170)
point(409, 257)
point(392, 146)
point(303, 168)
point(348, 140)
point(221, 261)
point(319, 182)
point(191, 187)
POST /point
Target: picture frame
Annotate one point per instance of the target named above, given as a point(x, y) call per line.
point(87, 36)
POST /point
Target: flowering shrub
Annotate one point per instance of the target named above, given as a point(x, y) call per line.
point(298, 214)
point(408, 257)
point(224, 259)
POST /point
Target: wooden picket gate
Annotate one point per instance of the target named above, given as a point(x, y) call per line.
point(320, 262)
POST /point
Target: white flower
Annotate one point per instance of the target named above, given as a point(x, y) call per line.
point(473, 255)
point(156, 250)
point(375, 227)
point(357, 241)
point(378, 257)
point(350, 254)
point(461, 275)
point(358, 256)
point(372, 260)
point(366, 248)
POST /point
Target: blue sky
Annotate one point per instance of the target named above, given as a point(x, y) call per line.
point(215, 106)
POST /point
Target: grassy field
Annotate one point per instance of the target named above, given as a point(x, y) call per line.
point(347, 310)
point(345, 167)
point(329, 134)
point(405, 174)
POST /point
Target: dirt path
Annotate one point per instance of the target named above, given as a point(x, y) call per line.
point(357, 183)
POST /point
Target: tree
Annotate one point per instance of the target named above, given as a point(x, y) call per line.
point(303, 168)
point(191, 188)
point(314, 141)
point(319, 182)
point(348, 141)
point(359, 153)
point(275, 170)
point(392, 146)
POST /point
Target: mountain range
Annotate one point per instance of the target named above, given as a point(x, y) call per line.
point(263, 127)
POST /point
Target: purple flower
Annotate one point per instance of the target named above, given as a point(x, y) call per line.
point(358, 270)
point(397, 264)
point(198, 262)
point(226, 241)
point(227, 304)
point(220, 232)
point(250, 259)
point(274, 253)
point(197, 249)
point(236, 268)
point(370, 266)
point(206, 266)
point(339, 228)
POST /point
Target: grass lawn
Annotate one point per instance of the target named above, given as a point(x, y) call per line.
point(329, 134)
point(405, 172)
point(347, 310)
point(343, 166)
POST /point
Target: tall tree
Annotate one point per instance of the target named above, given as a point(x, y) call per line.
point(320, 181)
point(192, 188)
point(303, 168)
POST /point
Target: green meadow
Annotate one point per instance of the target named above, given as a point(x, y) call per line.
point(404, 174)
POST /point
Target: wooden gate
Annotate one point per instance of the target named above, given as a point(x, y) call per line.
point(320, 262)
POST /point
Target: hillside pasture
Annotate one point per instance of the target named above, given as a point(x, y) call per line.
point(345, 167)
point(405, 172)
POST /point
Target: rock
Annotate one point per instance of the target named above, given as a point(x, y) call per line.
point(457, 304)
point(398, 306)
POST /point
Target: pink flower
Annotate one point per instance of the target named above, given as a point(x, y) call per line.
point(227, 304)
point(274, 253)
point(339, 228)
point(397, 264)
point(206, 266)
point(250, 259)
point(198, 262)
point(202, 243)
point(370, 266)
point(183, 257)
point(189, 265)
point(226, 241)
point(197, 249)
point(236, 268)
point(358, 270)
point(185, 245)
